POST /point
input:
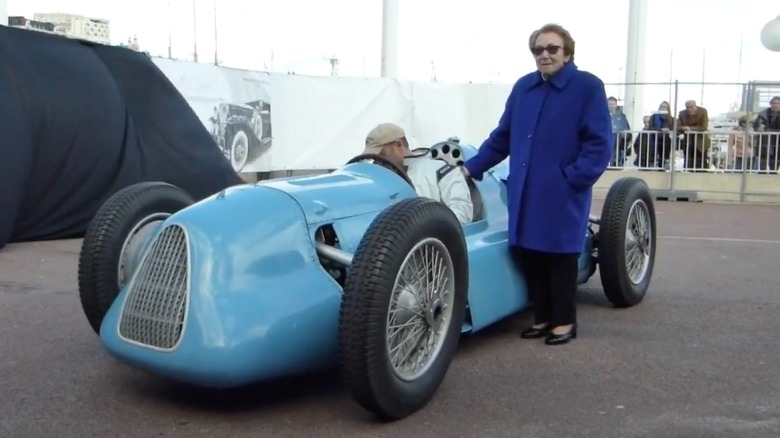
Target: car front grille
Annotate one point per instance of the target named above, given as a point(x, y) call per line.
point(154, 312)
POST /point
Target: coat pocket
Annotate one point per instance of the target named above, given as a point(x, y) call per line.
point(566, 180)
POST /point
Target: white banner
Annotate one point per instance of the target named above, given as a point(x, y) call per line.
point(440, 111)
point(321, 122)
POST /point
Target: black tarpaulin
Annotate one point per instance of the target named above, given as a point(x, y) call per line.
point(80, 121)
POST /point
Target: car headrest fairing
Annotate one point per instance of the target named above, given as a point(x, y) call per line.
point(448, 151)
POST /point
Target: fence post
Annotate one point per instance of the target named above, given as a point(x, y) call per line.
point(743, 182)
point(672, 158)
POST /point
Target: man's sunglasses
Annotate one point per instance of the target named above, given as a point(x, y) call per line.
point(551, 49)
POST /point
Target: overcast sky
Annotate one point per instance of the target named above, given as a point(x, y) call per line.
point(457, 40)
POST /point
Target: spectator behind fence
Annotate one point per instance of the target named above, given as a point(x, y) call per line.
point(695, 142)
point(620, 133)
point(740, 146)
point(767, 124)
point(653, 145)
point(643, 151)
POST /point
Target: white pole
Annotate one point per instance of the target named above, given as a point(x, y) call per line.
point(4, 12)
point(194, 32)
point(216, 41)
point(703, 69)
point(389, 38)
point(635, 61)
point(170, 37)
point(671, 78)
point(741, 48)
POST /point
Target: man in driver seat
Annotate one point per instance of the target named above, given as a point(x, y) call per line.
point(434, 179)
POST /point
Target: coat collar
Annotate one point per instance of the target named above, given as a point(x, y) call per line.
point(558, 80)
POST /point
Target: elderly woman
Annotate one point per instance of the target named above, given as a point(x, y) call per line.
point(557, 130)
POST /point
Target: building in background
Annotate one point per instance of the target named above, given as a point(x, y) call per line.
point(25, 23)
point(69, 25)
point(73, 26)
point(132, 44)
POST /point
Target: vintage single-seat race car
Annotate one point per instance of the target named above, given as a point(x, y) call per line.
point(349, 269)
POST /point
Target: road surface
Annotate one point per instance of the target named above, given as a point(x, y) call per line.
point(698, 358)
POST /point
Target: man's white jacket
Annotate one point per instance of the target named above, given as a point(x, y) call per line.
point(435, 179)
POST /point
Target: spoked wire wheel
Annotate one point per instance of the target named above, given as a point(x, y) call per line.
point(403, 307)
point(639, 243)
point(115, 239)
point(627, 242)
point(420, 310)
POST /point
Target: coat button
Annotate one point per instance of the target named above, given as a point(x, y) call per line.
point(523, 164)
point(530, 135)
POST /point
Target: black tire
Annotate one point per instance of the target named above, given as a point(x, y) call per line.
point(101, 251)
point(363, 354)
point(624, 195)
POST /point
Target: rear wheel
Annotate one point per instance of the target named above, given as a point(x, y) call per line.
point(115, 239)
point(403, 307)
point(627, 242)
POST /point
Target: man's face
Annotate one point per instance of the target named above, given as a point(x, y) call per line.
point(548, 53)
point(775, 105)
point(691, 107)
point(396, 152)
point(612, 105)
point(646, 120)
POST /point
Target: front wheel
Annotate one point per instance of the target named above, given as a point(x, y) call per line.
point(115, 239)
point(403, 307)
point(627, 242)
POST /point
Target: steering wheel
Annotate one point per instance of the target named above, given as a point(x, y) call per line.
point(384, 162)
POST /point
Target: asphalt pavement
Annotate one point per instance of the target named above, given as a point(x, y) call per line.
point(698, 358)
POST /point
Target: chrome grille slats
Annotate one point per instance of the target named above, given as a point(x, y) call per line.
point(154, 311)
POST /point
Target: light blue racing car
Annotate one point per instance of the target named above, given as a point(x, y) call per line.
point(349, 269)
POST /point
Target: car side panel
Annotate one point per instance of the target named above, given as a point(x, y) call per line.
point(496, 287)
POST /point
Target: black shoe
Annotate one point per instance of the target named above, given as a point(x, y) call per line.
point(553, 339)
point(535, 333)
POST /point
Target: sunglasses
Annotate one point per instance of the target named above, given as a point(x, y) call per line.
point(551, 49)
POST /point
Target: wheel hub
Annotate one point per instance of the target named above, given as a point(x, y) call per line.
point(434, 312)
point(408, 305)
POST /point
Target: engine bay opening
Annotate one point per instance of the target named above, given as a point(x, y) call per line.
point(327, 235)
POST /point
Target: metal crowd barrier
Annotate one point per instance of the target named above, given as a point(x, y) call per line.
point(697, 151)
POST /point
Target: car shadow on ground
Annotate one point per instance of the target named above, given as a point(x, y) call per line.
point(273, 394)
point(325, 387)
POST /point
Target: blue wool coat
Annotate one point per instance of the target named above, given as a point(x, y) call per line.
point(558, 136)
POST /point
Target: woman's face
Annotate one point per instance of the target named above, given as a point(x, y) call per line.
point(663, 107)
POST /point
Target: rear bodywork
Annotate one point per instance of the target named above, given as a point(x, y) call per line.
point(232, 290)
